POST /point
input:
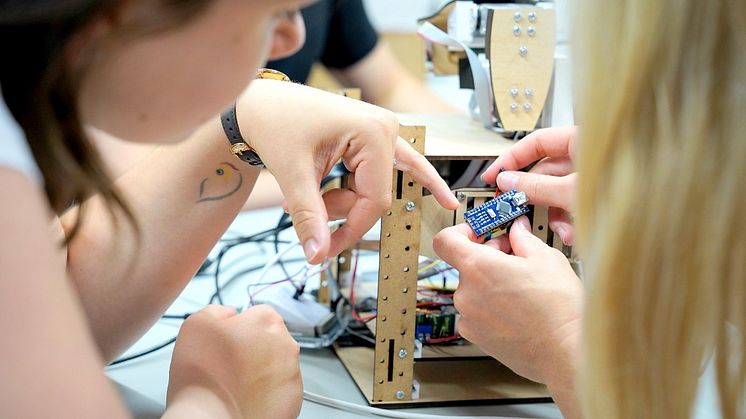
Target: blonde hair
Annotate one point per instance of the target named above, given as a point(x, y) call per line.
point(661, 200)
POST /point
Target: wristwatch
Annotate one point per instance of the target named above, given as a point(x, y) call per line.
point(239, 147)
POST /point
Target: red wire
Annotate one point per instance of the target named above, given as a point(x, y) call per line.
point(355, 314)
point(443, 340)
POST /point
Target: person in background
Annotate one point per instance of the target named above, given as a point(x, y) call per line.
point(76, 295)
point(659, 321)
point(342, 39)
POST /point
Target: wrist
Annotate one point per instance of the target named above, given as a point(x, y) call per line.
point(561, 376)
point(200, 402)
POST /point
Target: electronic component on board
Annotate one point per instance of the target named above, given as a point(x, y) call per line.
point(497, 213)
point(435, 324)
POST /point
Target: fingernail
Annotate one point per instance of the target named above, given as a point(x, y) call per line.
point(561, 232)
point(310, 248)
point(522, 222)
point(507, 181)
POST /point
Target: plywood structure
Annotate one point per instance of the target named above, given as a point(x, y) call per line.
point(520, 44)
point(397, 283)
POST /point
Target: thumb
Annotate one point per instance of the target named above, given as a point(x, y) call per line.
point(306, 208)
point(522, 240)
point(551, 191)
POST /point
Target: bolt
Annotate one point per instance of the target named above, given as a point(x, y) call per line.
point(532, 17)
point(400, 395)
point(410, 206)
point(517, 30)
point(523, 50)
point(531, 31)
point(528, 92)
point(517, 16)
point(514, 92)
point(403, 353)
point(513, 107)
point(460, 196)
point(527, 107)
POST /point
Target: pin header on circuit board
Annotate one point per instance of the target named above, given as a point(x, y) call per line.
point(497, 213)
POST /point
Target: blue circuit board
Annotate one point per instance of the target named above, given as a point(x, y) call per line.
point(496, 213)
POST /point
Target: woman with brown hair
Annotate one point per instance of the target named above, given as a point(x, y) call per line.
point(162, 71)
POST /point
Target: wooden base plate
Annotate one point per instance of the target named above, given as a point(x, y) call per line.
point(447, 381)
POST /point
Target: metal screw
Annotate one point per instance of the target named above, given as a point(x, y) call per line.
point(517, 30)
point(400, 395)
point(528, 92)
point(531, 31)
point(513, 107)
point(403, 353)
point(460, 196)
point(514, 92)
point(517, 16)
point(410, 206)
point(523, 50)
point(405, 290)
point(527, 107)
point(532, 17)
point(412, 140)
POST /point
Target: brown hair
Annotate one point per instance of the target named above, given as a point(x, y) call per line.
point(41, 92)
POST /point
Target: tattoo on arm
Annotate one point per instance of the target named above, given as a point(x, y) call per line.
point(224, 182)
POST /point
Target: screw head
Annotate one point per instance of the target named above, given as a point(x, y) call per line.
point(517, 16)
point(403, 353)
point(514, 92)
point(513, 107)
point(528, 92)
point(531, 31)
point(410, 206)
point(400, 395)
point(527, 107)
point(523, 50)
point(517, 30)
point(460, 196)
point(532, 17)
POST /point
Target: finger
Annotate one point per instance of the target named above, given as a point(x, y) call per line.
point(561, 222)
point(216, 311)
point(415, 164)
point(339, 202)
point(545, 190)
point(306, 208)
point(457, 244)
point(522, 241)
point(549, 142)
point(554, 166)
point(501, 243)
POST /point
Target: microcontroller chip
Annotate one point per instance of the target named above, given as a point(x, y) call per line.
point(496, 213)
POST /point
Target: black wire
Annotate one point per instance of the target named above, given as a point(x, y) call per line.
point(143, 353)
point(261, 236)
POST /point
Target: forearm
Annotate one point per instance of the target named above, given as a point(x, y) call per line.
point(562, 374)
point(384, 82)
point(409, 95)
point(183, 197)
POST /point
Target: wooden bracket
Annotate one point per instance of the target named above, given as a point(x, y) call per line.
point(397, 284)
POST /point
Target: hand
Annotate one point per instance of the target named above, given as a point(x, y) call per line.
point(249, 361)
point(301, 132)
point(523, 309)
point(551, 182)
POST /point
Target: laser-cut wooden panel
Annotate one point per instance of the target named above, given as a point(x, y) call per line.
point(397, 283)
point(520, 61)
